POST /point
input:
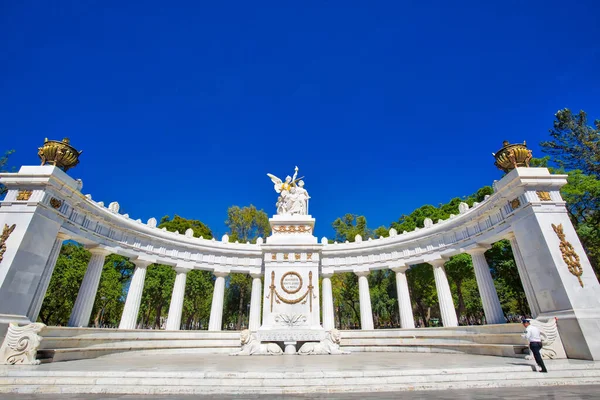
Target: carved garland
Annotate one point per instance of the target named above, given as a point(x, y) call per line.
point(287, 274)
point(514, 204)
point(55, 203)
point(275, 295)
point(292, 229)
point(5, 234)
point(569, 255)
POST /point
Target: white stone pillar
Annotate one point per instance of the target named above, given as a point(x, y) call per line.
point(407, 319)
point(80, 316)
point(176, 307)
point(366, 313)
point(447, 310)
point(134, 295)
point(487, 290)
point(216, 309)
point(527, 287)
point(42, 287)
point(328, 315)
point(254, 318)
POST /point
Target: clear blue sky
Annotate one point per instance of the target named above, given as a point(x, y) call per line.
point(183, 107)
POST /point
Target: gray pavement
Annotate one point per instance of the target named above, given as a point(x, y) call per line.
point(551, 393)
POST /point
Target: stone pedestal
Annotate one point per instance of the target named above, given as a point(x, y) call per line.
point(556, 273)
point(291, 294)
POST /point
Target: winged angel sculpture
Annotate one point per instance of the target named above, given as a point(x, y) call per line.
point(293, 198)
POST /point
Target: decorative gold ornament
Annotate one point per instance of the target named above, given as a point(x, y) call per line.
point(309, 256)
point(543, 196)
point(55, 203)
point(297, 256)
point(511, 156)
point(273, 256)
point(570, 257)
point(514, 204)
point(274, 295)
point(286, 256)
point(5, 234)
point(291, 273)
point(292, 229)
point(24, 195)
point(60, 154)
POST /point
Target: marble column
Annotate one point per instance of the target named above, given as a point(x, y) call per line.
point(82, 310)
point(447, 310)
point(487, 290)
point(216, 309)
point(176, 307)
point(328, 315)
point(366, 314)
point(42, 287)
point(134, 295)
point(407, 319)
point(534, 308)
point(254, 318)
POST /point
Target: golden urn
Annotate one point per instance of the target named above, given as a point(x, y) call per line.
point(60, 154)
point(511, 156)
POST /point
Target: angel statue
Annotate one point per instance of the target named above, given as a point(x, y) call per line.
point(293, 198)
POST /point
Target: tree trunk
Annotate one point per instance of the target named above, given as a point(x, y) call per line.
point(241, 308)
point(97, 319)
point(157, 318)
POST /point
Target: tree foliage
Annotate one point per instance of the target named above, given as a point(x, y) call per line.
point(575, 145)
point(3, 168)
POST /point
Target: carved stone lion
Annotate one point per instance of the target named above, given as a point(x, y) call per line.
point(329, 345)
point(252, 346)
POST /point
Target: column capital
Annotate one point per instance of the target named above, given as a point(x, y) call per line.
point(478, 249)
point(182, 270)
point(99, 250)
point(221, 273)
point(256, 275)
point(362, 272)
point(327, 272)
point(438, 262)
point(63, 236)
point(399, 267)
point(509, 236)
point(141, 263)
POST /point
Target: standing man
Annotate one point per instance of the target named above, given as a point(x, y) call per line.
point(533, 335)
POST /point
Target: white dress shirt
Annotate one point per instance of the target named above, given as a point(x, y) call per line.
point(532, 334)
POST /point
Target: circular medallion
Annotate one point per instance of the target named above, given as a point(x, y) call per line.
point(291, 282)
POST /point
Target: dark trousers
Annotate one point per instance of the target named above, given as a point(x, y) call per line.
point(535, 349)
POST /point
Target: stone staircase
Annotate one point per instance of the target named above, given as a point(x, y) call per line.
point(148, 382)
point(63, 344)
point(494, 340)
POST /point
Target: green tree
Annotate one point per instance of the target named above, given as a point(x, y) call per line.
point(3, 163)
point(156, 295)
point(459, 269)
point(246, 224)
point(350, 225)
point(64, 284)
point(422, 290)
point(344, 287)
point(179, 224)
point(574, 144)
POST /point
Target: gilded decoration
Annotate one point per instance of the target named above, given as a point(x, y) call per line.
point(24, 195)
point(273, 256)
point(309, 256)
point(543, 196)
point(5, 234)
point(55, 203)
point(511, 156)
point(286, 256)
point(283, 285)
point(514, 204)
point(274, 295)
point(297, 256)
point(292, 229)
point(569, 255)
point(59, 153)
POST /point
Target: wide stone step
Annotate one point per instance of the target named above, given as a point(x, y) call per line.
point(148, 382)
point(500, 350)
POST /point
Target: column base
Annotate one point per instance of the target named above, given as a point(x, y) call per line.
point(290, 348)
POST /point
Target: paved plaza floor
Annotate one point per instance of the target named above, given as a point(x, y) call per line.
point(550, 393)
point(287, 364)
